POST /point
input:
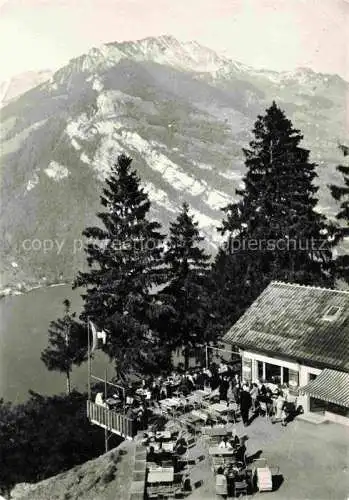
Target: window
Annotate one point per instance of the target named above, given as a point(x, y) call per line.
point(273, 373)
point(247, 369)
point(332, 313)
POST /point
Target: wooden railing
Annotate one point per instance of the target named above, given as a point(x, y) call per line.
point(110, 419)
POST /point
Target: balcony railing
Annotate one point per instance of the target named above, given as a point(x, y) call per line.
point(110, 419)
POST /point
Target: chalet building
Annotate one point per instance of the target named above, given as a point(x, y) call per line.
point(299, 336)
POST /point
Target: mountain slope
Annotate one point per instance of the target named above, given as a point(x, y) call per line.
point(180, 110)
point(105, 478)
point(19, 84)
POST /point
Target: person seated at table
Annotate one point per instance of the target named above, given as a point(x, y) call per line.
point(221, 483)
point(129, 400)
point(181, 446)
point(225, 444)
point(234, 440)
point(100, 400)
point(151, 455)
point(241, 454)
point(185, 387)
point(200, 380)
point(186, 483)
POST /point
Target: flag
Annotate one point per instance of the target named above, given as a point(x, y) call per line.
point(97, 335)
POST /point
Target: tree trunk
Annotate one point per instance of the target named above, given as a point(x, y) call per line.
point(68, 381)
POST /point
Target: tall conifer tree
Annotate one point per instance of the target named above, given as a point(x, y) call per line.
point(274, 230)
point(124, 256)
point(186, 292)
point(341, 195)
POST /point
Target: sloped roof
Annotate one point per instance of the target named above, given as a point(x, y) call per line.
point(287, 320)
point(330, 386)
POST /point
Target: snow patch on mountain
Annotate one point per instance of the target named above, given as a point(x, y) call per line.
point(113, 103)
point(85, 159)
point(158, 196)
point(202, 166)
point(231, 175)
point(207, 224)
point(217, 199)
point(170, 171)
point(75, 144)
point(56, 171)
point(97, 85)
point(78, 128)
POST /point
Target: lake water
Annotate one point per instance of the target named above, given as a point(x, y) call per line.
point(24, 322)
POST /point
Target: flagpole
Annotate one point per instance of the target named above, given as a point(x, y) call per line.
point(88, 360)
point(106, 426)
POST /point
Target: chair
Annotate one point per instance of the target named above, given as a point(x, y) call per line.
point(240, 487)
point(264, 479)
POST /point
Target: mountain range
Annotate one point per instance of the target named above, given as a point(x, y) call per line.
point(180, 110)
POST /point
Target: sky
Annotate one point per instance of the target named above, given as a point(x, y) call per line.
point(273, 34)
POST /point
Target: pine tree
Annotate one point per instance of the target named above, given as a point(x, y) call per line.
point(186, 291)
point(124, 256)
point(67, 344)
point(341, 194)
point(274, 231)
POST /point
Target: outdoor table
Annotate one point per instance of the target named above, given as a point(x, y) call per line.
point(161, 475)
point(215, 431)
point(194, 398)
point(177, 401)
point(203, 393)
point(169, 402)
point(141, 392)
point(200, 415)
point(163, 434)
point(112, 402)
point(216, 450)
point(169, 446)
point(219, 407)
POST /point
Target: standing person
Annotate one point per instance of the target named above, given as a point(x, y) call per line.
point(221, 483)
point(200, 381)
point(155, 390)
point(186, 483)
point(254, 395)
point(163, 392)
point(245, 405)
point(279, 406)
point(230, 394)
point(236, 392)
point(225, 444)
point(223, 390)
